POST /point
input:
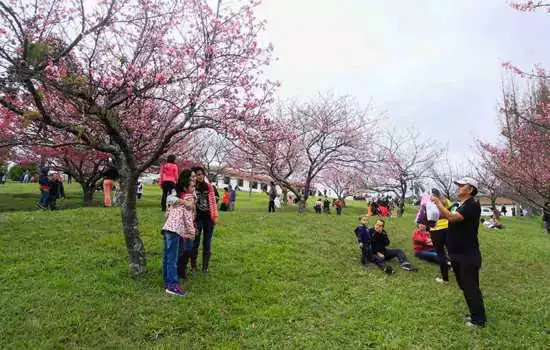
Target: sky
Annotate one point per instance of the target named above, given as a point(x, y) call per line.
point(431, 64)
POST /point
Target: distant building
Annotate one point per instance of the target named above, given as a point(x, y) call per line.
point(486, 209)
point(241, 180)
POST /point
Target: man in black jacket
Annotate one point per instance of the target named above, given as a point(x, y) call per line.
point(380, 253)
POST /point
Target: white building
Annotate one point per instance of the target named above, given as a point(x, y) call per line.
point(501, 202)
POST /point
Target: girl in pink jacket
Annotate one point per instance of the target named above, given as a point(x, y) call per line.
point(179, 232)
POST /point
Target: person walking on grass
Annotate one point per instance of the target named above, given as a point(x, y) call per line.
point(57, 190)
point(232, 198)
point(272, 196)
point(463, 246)
point(168, 179)
point(179, 231)
point(338, 206)
point(206, 218)
point(110, 177)
point(44, 184)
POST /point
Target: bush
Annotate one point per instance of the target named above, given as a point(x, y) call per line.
point(17, 170)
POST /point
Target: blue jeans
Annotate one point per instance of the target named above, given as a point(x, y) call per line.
point(186, 246)
point(44, 197)
point(170, 260)
point(428, 255)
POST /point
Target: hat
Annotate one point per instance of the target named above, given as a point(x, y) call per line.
point(467, 181)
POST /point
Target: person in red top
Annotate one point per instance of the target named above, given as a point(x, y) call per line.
point(383, 211)
point(423, 245)
point(338, 206)
point(168, 178)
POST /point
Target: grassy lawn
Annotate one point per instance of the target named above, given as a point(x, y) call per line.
point(279, 280)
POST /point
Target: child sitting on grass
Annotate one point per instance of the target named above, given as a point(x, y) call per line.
point(363, 235)
point(380, 252)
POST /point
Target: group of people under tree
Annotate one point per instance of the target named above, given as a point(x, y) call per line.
point(323, 205)
point(446, 234)
point(380, 207)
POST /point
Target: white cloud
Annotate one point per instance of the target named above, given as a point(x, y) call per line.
point(431, 62)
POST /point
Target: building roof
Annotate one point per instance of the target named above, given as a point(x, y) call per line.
point(245, 176)
point(500, 201)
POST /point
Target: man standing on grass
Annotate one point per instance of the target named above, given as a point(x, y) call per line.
point(463, 247)
point(232, 198)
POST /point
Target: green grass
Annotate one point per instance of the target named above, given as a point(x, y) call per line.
point(277, 281)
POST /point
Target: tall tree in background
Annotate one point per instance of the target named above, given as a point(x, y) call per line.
point(521, 162)
point(271, 149)
point(131, 78)
point(342, 180)
point(306, 138)
point(444, 173)
point(407, 158)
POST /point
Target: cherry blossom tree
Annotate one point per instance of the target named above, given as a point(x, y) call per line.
point(407, 158)
point(271, 149)
point(303, 139)
point(132, 78)
point(212, 150)
point(343, 180)
point(84, 164)
point(444, 173)
point(521, 161)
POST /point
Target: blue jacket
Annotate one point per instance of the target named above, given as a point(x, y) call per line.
point(363, 234)
point(232, 195)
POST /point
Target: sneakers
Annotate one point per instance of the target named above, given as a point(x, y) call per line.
point(388, 270)
point(407, 267)
point(175, 290)
point(442, 281)
point(470, 323)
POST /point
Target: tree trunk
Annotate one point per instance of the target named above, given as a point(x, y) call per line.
point(493, 202)
point(303, 201)
point(285, 197)
point(87, 192)
point(134, 244)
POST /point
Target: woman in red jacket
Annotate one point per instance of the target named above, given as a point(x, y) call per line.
point(168, 178)
point(423, 245)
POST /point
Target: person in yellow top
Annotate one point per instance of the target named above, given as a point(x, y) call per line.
point(439, 239)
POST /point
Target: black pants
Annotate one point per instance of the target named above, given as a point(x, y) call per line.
point(439, 238)
point(467, 276)
point(167, 187)
point(388, 255)
point(271, 207)
point(366, 254)
point(338, 211)
point(205, 228)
